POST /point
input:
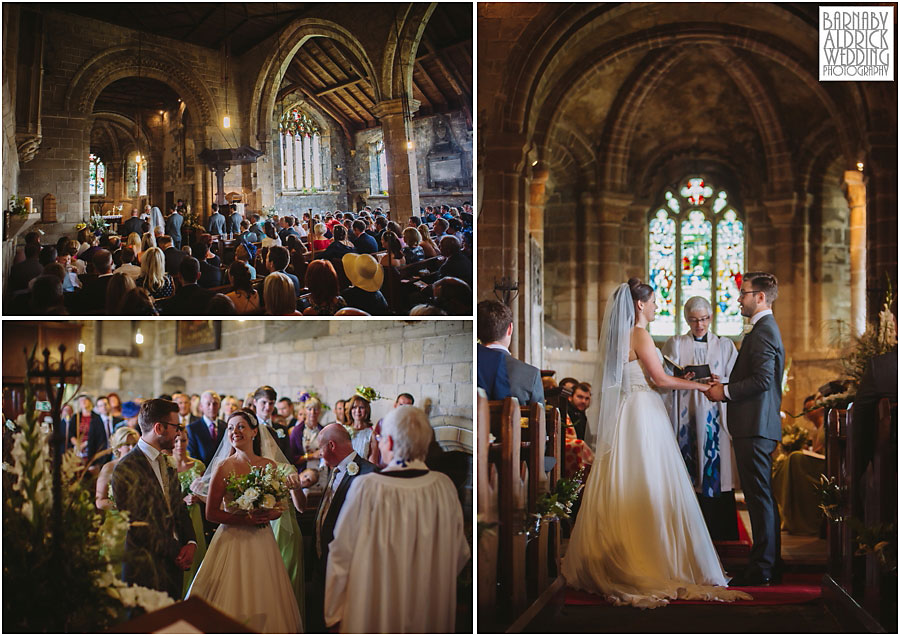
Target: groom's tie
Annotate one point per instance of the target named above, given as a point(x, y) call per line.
point(161, 460)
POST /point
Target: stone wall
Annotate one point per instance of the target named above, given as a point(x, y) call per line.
point(60, 166)
point(362, 175)
point(432, 360)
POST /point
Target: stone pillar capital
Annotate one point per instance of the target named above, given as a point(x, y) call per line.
point(854, 187)
point(391, 107)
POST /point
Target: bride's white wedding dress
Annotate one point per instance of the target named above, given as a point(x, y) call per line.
point(243, 575)
point(640, 538)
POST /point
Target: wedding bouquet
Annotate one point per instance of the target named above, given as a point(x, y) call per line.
point(263, 488)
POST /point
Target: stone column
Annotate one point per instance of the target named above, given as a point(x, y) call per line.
point(603, 267)
point(403, 177)
point(855, 191)
point(534, 263)
point(781, 211)
point(502, 195)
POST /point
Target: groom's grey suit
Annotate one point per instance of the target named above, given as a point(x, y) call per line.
point(754, 420)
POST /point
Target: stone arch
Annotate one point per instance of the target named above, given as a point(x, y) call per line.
point(537, 115)
point(122, 61)
point(283, 49)
point(400, 51)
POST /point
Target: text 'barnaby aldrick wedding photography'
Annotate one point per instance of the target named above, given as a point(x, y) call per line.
point(856, 43)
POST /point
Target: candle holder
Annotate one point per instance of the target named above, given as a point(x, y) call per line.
point(55, 377)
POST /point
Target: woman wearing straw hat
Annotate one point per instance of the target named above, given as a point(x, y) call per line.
point(365, 276)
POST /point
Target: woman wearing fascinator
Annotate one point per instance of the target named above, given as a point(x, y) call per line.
point(244, 573)
point(640, 538)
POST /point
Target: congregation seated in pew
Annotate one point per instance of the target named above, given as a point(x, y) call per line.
point(414, 270)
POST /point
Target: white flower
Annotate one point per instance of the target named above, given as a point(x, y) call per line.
point(279, 432)
point(252, 494)
point(352, 469)
point(243, 502)
point(268, 502)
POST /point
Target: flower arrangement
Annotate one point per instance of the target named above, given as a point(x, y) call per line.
point(191, 218)
point(60, 578)
point(97, 224)
point(368, 393)
point(558, 504)
point(793, 438)
point(880, 540)
point(830, 497)
point(877, 339)
point(263, 488)
point(17, 205)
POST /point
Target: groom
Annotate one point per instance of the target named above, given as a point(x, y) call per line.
point(159, 545)
point(754, 397)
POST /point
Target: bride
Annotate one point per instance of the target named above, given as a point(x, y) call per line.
point(640, 538)
point(243, 574)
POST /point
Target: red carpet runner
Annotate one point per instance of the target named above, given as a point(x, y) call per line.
point(795, 588)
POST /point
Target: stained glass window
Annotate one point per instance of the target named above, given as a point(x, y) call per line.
point(662, 269)
point(704, 236)
point(96, 175)
point(136, 175)
point(301, 151)
point(379, 172)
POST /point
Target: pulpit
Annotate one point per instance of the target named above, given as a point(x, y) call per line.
point(220, 161)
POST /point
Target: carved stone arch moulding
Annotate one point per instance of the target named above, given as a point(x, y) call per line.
point(283, 48)
point(113, 64)
point(401, 49)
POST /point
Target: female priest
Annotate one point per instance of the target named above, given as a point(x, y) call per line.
point(700, 425)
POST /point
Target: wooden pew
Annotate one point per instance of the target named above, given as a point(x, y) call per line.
point(537, 552)
point(880, 484)
point(555, 439)
point(488, 511)
point(839, 562)
point(513, 492)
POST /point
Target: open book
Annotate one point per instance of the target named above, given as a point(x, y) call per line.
point(700, 371)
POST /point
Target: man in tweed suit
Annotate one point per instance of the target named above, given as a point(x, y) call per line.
point(754, 421)
point(160, 543)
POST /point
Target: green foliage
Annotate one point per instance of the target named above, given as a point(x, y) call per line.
point(17, 205)
point(793, 437)
point(59, 578)
point(558, 504)
point(830, 497)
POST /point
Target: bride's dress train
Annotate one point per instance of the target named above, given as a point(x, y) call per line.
point(243, 575)
point(640, 538)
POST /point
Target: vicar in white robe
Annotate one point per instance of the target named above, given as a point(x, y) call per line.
point(701, 426)
point(399, 543)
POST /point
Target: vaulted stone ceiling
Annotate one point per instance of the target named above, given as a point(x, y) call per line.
point(598, 84)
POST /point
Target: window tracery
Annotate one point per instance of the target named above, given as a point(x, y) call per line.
point(696, 248)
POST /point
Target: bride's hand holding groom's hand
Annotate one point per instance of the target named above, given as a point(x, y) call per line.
point(716, 391)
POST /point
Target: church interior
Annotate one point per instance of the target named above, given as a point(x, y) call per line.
point(279, 109)
point(314, 365)
point(685, 144)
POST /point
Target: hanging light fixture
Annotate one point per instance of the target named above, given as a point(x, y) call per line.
point(139, 337)
point(226, 120)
